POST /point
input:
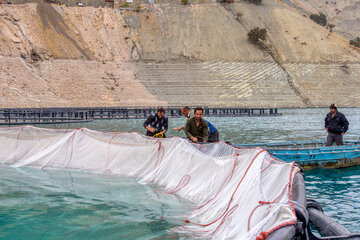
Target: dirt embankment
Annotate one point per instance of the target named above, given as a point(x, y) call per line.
point(53, 56)
point(211, 32)
point(83, 56)
point(312, 58)
point(344, 15)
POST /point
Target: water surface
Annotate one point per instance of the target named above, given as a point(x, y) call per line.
point(65, 204)
point(294, 124)
point(38, 204)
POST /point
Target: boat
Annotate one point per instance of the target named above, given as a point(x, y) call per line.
point(313, 154)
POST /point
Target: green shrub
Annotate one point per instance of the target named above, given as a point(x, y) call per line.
point(319, 19)
point(355, 42)
point(125, 5)
point(257, 34)
point(184, 2)
point(138, 8)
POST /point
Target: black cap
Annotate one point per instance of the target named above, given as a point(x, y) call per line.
point(333, 106)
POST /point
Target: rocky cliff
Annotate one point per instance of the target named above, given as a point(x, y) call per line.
point(173, 54)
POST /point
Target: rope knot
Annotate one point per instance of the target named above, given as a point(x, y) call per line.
point(263, 236)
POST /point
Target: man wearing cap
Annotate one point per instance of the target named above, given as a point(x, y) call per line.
point(336, 125)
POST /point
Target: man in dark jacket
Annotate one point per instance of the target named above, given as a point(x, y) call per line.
point(336, 125)
point(213, 132)
point(157, 123)
point(196, 128)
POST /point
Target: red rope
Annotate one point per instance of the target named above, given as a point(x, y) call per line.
point(158, 159)
point(231, 211)
point(72, 148)
point(178, 187)
point(264, 235)
point(158, 154)
point(17, 144)
point(59, 150)
point(261, 203)
point(227, 180)
point(232, 196)
point(108, 153)
point(271, 161)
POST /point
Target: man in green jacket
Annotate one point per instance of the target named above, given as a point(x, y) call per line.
point(196, 128)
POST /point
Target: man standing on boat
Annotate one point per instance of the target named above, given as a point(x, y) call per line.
point(336, 125)
point(196, 128)
point(157, 124)
point(213, 132)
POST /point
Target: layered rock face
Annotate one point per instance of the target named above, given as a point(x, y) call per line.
point(213, 63)
point(54, 56)
point(171, 54)
point(344, 15)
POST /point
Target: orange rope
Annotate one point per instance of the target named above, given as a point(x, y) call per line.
point(232, 196)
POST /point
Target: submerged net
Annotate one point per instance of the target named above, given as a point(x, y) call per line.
point(239, 193)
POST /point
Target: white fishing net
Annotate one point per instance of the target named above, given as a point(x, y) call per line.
point(239, 193)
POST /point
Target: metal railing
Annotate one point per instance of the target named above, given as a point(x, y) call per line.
point(21, 116)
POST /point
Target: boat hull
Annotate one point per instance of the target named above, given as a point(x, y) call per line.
point(311, 163)
point(312, 154)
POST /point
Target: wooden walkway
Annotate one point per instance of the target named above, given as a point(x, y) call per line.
point(23, 116)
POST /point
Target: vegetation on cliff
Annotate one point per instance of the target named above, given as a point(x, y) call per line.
point(257, 35)
point(355, 42)
point(319, 19)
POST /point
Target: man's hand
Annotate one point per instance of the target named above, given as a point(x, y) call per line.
point(342, 134)
point(194, 139)
point(150, 129)
point(327, 129)
point(178, 128)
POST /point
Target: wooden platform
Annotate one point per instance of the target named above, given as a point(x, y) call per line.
point(23, 116)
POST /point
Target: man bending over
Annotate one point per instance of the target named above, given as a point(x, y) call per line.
point(196, 128)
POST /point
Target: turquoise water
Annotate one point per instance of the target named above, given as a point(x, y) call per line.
point(58, 204)
point(337, 191)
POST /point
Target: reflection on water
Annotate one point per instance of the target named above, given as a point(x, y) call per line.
point(94, 207)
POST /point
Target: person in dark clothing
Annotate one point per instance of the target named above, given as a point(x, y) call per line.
point(336, 125)
point(156, 124)
point(196, 128)
point(213, 132)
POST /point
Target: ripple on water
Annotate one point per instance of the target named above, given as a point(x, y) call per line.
point(338, 195)
point(57, 204)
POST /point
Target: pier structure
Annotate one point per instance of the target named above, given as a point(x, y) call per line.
point(24, 116)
